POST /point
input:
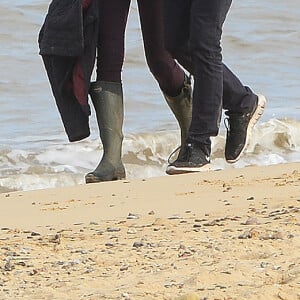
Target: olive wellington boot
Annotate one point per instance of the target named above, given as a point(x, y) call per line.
point(181, 106)
point(107, 98)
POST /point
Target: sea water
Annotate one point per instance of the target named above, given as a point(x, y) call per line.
point(261, 45)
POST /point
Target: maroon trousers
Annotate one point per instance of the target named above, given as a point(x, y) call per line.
point(113, 20)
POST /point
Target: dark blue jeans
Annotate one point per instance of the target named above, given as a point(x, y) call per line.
point(193, 31)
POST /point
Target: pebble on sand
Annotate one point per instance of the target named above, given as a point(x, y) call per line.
point(192, 296)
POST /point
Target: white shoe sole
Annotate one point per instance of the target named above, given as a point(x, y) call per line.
point(172, 170)
point(256, 116)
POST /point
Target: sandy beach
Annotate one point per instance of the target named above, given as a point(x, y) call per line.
point(229, 234)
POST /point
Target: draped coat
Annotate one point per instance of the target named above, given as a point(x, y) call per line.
point(67, 43)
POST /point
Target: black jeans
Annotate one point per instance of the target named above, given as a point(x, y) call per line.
point(113, 20)
point(193, 31)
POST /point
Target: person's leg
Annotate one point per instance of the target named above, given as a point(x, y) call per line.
point(243, 107)
point(175, 85)
point(106, 92)
point(206, 24)
point(164, 68)
point(205, 32)
point(176, 19)
point(236, 96)
point(112, 24)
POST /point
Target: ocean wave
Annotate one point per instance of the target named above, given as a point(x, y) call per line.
point(145, 155)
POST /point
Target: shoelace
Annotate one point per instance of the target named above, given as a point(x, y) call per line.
point(172, 154)
point(227, 124)
point(184, 155)
point(234, 122)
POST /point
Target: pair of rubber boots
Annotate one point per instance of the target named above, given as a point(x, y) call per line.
point(107, 98)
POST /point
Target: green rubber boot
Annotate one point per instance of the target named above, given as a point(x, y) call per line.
point(181, 106)
point(107, 98)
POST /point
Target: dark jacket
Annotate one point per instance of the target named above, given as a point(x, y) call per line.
point(67, 42)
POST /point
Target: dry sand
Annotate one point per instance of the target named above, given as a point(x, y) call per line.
point(232, 234)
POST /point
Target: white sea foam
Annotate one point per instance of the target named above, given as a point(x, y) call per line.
point(144, 155)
